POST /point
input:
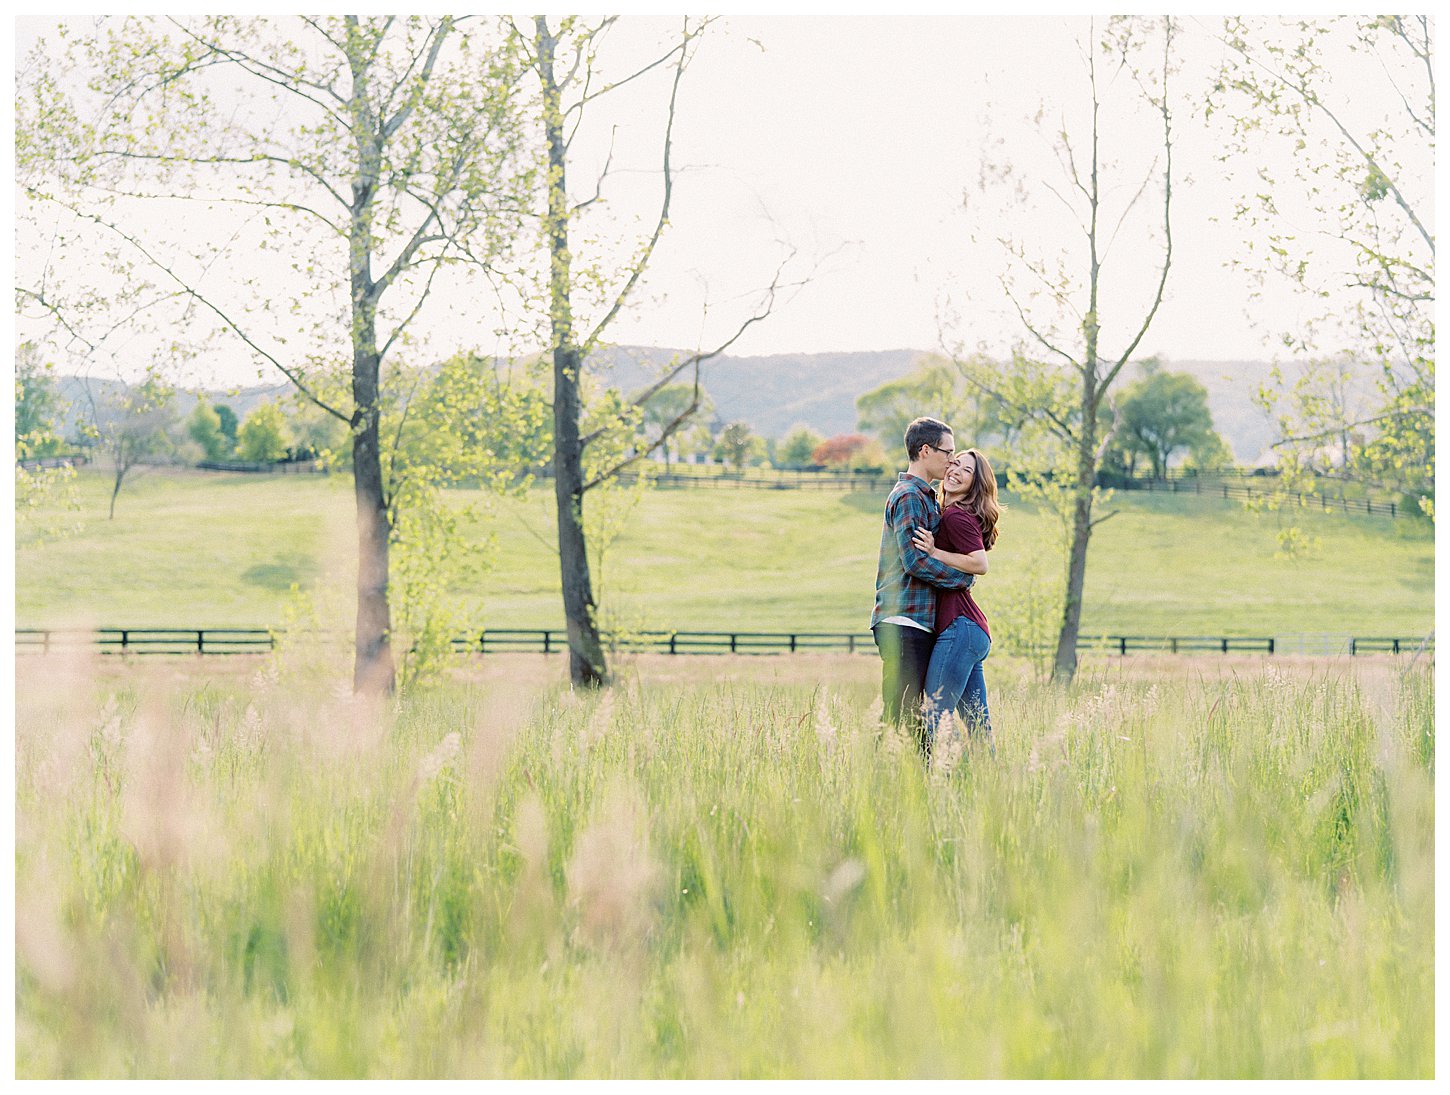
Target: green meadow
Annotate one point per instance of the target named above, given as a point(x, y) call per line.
point(216, 550)
point(720, 868)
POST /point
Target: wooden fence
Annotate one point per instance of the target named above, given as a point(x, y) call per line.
point(1228, 484)
point(233, 640)
point(1240, 490)
point(284, 467)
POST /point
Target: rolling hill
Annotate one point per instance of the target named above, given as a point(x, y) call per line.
point(774, 392)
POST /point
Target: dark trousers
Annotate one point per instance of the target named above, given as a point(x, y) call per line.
point(905, 654)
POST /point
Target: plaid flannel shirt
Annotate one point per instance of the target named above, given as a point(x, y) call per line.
point(907, 578)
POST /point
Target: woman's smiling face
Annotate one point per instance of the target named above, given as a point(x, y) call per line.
point(960, 472)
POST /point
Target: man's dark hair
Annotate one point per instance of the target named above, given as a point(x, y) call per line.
point(924, 431)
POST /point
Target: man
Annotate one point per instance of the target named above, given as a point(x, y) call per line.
point(903, 622)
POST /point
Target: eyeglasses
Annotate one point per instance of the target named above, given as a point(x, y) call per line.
point(938, 448)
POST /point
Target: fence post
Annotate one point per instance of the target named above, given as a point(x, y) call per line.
point(546, 641)
point(200, 641)
point(1225, 646)
point(1353, 644)
point(851, 643)
point(1173, 644)
point(732, 642)
point(125, 636)
point(1396, 643)
point(672, 642)
point(1122, 644)
point(1271, 645)
point(1392, 509)
point(792, 644)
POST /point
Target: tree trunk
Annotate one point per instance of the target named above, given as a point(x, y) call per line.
point(587, 666)
point(115, 490)
point(1065, 663)
point(373, 669)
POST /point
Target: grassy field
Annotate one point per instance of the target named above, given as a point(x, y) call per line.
point(717, 869)
point(217, 550)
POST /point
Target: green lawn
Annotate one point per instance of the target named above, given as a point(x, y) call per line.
point(224, 550)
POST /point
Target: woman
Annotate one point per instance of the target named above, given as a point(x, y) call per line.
point(968, 529)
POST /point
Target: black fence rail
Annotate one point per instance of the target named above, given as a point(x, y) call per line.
point(776, 480)
point(280, 467)
point(59, 460)
point(148, 640)
point(1389, 646)
point(240, 640)
point(1221, 489)
point(1226, 484)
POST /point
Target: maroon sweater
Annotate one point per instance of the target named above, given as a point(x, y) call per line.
point(959, 531)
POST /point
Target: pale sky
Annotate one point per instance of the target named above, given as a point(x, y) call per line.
point(854, 138)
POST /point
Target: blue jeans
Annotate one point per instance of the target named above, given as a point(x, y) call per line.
point(954, 678)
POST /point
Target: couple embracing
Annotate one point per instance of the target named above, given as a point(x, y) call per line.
point(932, 635)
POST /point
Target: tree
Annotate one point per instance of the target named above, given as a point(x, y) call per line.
point(134, 429)
point(870, 457)
point(1210, 453)
point(463, 423)
point(227, 422)
point(264, 437)
point(366, 157)
point(671, 406)
point(1058, 382)
point(797, 448)
point(205, 428)
point(564, 56)
point(737, 446)
point(1361, 174)
point(317, 435)
point(36, 405)
point(1160, 414)
point(838, 451)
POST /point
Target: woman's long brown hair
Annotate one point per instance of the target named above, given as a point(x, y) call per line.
point(981, 496)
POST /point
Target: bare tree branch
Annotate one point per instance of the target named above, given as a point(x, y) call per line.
point(639, 266)
point(189, 291)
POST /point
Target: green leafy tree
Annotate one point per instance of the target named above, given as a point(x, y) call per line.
point(372, 159)
point(870, 457)
point(1159, 415)
point(205, 428)
point(461, 424)
point(264, 436)
point(317, 435)
point(227, 423)
point(797, 448)
point(39, 489)
point(737, 446)
point(1058, 383)
point(671, 409)
point(937, 388)
point(1210, 453)
point(1366, 271)
point(37, 404)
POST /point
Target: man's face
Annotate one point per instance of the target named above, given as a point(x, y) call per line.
point(938, 456)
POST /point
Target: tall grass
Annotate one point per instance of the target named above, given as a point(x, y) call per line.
point(722, 878)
